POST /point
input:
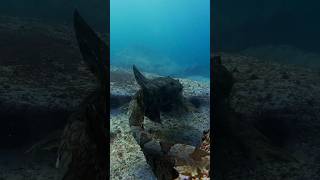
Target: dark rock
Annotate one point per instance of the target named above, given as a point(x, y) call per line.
point(284, 75)
point(253, 77)
point(277, 125)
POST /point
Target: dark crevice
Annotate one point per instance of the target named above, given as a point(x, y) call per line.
point(21, 126)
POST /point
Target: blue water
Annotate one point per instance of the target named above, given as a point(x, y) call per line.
point(59, 11)
point(251, 23)
point(168, 37)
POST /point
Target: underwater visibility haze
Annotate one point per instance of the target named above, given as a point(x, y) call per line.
point(170, 39)
point(164, 37)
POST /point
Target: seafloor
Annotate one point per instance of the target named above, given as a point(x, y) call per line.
point(283, 102)
point(127, 159)
point(43, 80)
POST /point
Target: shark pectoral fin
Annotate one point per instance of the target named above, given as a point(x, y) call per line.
point(140, 78)
point(94, 51)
